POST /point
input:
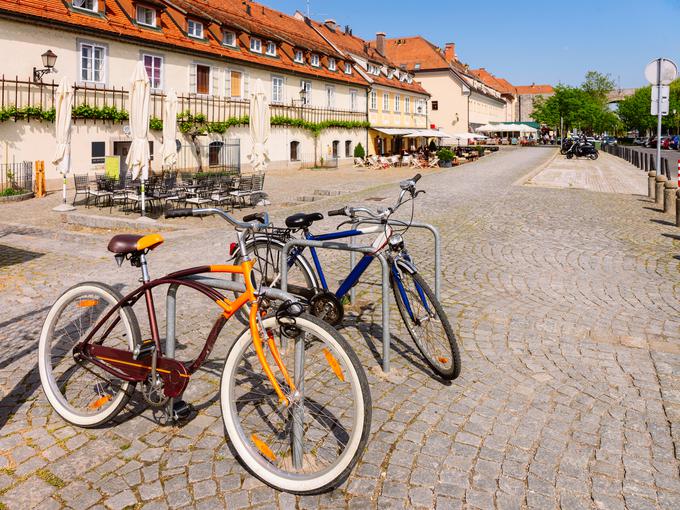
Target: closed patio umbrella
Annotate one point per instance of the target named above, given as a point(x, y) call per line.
point(138, 157)
point(260, 128)
point(63, 104)
point(170, 129)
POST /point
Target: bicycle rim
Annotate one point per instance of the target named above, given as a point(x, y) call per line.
point(427, 324)
point(313, 443)
point(81, 392)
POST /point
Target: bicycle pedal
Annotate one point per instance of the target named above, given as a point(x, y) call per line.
point(181, 410)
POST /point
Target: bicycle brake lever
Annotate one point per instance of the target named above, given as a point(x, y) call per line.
point(419, 192)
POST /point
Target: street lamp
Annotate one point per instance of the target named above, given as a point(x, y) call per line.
point(48, 60)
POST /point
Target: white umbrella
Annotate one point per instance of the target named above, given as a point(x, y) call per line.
point(260, 128)
point(62, 156)
point(170, 129)
point(140, 94)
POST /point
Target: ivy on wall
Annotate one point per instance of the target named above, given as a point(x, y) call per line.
point(185, 121)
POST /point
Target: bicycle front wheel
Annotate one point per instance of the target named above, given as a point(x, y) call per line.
point(427, 323)
point(79, 391)
point(312, 442)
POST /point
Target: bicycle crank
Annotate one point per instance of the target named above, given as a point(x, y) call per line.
point(327, 307)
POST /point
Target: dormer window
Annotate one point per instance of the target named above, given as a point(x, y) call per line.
point(348, 68)
point(146, 16)
point(299, 57)
point(315, 60)
point(416, 67)
point(86, 5)
point(390, 74)
point(255, 45)
point(195, 29)
point(229, 38)
point(332, 65)
point(271, 48)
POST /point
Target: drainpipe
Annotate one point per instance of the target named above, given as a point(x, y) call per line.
point(368, 94)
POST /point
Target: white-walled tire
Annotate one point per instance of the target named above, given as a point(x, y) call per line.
point(247, 397)
point(60, 333)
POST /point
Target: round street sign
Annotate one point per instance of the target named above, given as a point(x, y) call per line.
point(669, 71)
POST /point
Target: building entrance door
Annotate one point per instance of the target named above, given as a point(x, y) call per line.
point(121, 149)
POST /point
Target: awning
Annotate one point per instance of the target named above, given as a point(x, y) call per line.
point(393, 131)
point(427, 133)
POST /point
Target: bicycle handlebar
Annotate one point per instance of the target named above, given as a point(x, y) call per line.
point(250, 222)
point(338, 212)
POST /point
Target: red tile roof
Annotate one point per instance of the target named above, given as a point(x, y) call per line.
point(352, 44)
point(262, 21)
point(416, 52)
point(499, 84)
point(535, 89)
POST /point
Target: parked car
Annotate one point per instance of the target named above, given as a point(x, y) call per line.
point(665, 142)
point(609, 140)
point(641, 141)
point(675, 142)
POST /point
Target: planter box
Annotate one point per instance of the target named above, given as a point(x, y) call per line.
point(17, 198)
point(445, 164)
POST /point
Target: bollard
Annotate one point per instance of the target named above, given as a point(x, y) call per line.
point(658, 197)
point(677, 208)
point(645, 166)
point(651, 176)
point(669, 190)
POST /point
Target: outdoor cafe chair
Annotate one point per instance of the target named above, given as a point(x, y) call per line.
point(384, 162)
point(102, 195)
point(82, 185)
point(434, 162)
point(201, 198)
point(406, 160)
point(245, 189)
point(359, 163)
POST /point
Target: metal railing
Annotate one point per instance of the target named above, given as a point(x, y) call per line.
point(643, 159)
point(16, 176)
point(32, 98)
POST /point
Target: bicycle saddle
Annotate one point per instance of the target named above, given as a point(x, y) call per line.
point(302, 220)
point(129, 243)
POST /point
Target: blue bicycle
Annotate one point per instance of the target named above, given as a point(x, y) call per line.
point(421, 311)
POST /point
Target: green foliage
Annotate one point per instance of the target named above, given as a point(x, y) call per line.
point(155, 124)
point(26, 113)
point(111, 113)
point(10, 192)
point(187, 122)
point(445, 154)
point(317, 127)
point(634, 110)
point(359, 151)
point(584, 108)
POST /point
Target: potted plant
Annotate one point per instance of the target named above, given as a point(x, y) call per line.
point(359, 151)
point(445, 157)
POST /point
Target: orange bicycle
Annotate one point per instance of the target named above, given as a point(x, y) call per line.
point(295, 400)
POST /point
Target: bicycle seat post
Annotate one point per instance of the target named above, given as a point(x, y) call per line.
point(145, 268)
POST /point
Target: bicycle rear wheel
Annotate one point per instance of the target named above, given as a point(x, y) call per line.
point(427, 323)
point(311, 444)
point(80, 392)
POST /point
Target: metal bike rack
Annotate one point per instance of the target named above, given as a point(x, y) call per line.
point(415, 224)
point(332, 245)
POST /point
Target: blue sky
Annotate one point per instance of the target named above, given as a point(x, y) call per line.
point(523, 41)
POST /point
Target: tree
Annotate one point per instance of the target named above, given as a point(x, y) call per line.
point(634, 111)
point(598, 86)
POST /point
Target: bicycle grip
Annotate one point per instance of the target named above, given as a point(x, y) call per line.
point(254, 217)
point(416, 178)
point(179, 213)
point(337, 212)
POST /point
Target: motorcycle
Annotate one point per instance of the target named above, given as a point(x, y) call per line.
point(582, 149)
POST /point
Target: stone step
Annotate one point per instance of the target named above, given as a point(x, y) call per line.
point(327, 192)
point(307, 198)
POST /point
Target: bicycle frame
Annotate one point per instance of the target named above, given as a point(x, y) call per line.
point(125, 364)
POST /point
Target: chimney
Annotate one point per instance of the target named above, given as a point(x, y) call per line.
point(330, 24)
point(450, 52)
point(348, 30)
point(380, 42)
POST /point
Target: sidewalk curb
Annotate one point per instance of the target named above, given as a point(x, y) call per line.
point(526, 178)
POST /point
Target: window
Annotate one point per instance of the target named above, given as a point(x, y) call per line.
point(202, 79)
point(146, 16)
point(353, 100)
point(299, 57)
point(195, 29)
point(374, 100)
point(348, 148)
point(397, 101)
point(92, 61)
point(98, 152)
point(88, 5)
point(407, 104)
point(255, 45)
point(277, 89)
point(332, 65)
point(271, 48)
point(295, 151)
point(215, 153)
point(416, 67)
point(307, 87)
point(330, 96)
point(236, 81)
point(154, 69)
point(336, 145)
point(348, 68)
point(315, 60)
point(386, 102)
point(435, 105)
point(229, 38)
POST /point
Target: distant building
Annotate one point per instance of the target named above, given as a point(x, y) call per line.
point(526, 95)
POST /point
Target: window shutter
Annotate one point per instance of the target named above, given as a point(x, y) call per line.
point(283, 92)
point(215, 71)
point(246, 86)
point(227, 82)
point(192, 78)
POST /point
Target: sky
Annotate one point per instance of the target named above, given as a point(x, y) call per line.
point(523, 41)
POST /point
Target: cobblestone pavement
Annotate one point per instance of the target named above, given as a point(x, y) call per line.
point(566, 305)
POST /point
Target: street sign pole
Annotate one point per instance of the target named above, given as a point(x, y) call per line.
point(660, 73)
point(658, 124)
